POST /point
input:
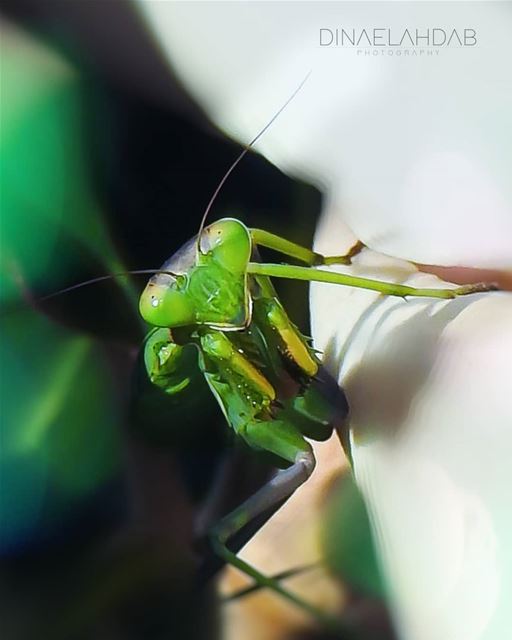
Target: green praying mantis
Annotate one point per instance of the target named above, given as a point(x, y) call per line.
point(217, 295)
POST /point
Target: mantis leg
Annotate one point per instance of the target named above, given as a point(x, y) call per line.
point(389, 288)
point(312, 258)
point(278, 577)
point(268, 498)
point(277, 490)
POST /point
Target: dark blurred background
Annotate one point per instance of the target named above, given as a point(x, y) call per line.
point(107, 166)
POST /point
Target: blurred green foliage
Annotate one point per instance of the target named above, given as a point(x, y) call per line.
point(49, 209)
point(59, 408)
point(348, 543)
point(59, 420)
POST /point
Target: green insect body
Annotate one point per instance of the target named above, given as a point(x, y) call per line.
point(215, 295)
point(216, 318)
point(261, 370)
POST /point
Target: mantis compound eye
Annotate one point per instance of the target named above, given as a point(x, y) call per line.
point(164, 304)
point(229, 244)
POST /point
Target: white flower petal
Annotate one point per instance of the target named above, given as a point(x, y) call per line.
point(415, 151)
point(414, 156)
point(430, 391)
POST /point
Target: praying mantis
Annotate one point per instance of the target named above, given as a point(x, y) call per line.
point(217, 296)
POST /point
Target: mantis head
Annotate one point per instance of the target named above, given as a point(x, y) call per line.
point(209, 285)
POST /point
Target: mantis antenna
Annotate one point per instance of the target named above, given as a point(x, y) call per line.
point(112, 276)
point(240, 157)
point(246, 149)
